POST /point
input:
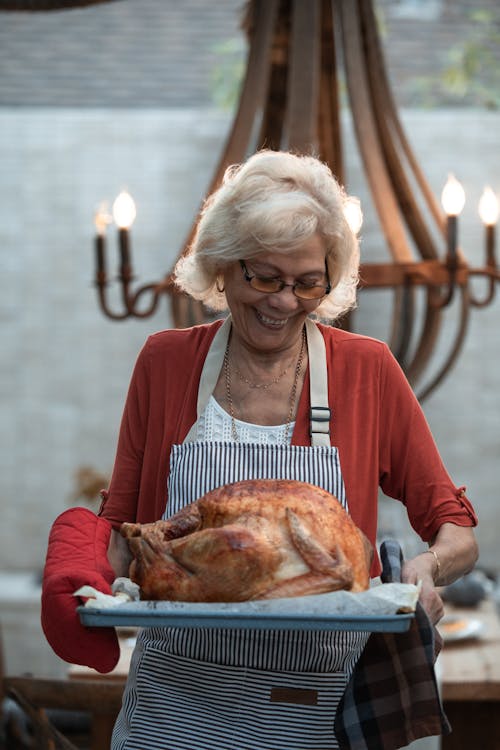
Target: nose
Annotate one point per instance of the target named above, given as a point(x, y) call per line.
point(284, 299)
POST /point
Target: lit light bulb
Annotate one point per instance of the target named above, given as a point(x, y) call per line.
point(102, 218)
point(353, 213)
point(488, 207)
point(453, 196)
point(124, 211)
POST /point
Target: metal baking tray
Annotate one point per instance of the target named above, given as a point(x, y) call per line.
point(258, 615)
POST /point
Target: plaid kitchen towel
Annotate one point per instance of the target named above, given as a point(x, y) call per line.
point(392, 698)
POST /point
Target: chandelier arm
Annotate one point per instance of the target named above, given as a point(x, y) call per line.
point(186, 311)
point(252, 94)
point(179, 310)
point(366, 132)
point(443, 299)
point(403, 321)
point(304, 74)
point(101, 285)
point(254, 86)
point(455, 350)
point(377, 56)
point(427, 340)
point(126, 277)
point(329, 127)
point(491, 272)
point(272, 121)
point(385, 118)
point(155, 290)
point(290, 92)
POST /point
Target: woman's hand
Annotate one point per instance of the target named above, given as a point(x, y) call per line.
point(454, 553)
point(421, 568)
point(119, 555)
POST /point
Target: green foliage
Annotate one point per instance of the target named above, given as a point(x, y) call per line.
point(227, 74)
point(471, 68)
point(469, 75)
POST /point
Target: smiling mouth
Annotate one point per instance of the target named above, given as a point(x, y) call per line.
point(271, 322)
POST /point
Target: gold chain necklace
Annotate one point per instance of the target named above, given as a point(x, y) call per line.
point(263, 386)
point(293, 392)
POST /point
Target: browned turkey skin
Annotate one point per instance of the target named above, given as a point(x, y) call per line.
point(256, 539)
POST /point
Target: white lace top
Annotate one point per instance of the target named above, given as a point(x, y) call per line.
point(215, 424)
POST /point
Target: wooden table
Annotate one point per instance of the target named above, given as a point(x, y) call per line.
point(470, 674)
point(119, 673)
point(470, 684)
point(108, 692)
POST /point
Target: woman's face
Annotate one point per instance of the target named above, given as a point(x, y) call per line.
point(273, 321)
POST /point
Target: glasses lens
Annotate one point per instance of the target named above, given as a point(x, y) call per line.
point(309, 292)
point(265, 285)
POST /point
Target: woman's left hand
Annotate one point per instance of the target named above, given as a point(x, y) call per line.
point(454, 554)
point(420, 568)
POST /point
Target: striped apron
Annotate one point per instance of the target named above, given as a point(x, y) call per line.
point(239, 689)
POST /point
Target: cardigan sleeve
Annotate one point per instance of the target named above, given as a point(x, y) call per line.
point(411, 468)
point(120, 502)
point(160, 408)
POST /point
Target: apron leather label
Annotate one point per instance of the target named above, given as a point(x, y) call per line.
point(299, 696)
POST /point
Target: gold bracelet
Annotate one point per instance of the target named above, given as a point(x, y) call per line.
point(438, 563)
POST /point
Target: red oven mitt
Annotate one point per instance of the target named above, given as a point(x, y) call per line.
point(77, 555)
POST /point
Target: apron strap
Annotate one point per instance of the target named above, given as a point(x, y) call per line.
point(212, 366)
point(320, 410)
point(210, 373)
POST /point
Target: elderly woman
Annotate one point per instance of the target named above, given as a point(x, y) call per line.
point(268, 392)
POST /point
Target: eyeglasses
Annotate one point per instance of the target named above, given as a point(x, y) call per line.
point(272, 285)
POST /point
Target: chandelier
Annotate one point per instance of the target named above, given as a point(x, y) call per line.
point(290, 98)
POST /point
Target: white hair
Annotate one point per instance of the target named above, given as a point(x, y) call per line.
point(273, 202)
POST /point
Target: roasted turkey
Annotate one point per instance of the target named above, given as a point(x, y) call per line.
point(256, 539)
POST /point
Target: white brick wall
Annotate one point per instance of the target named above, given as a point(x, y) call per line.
point(65, 368)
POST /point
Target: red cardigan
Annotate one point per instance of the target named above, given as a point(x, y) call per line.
point(377, 424)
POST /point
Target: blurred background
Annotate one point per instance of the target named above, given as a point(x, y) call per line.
point(140, 96)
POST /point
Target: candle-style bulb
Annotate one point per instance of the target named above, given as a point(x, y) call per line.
point(102, 218)
point(124, 211)
point(453, 196)
point(353, 213)
point(488, 207)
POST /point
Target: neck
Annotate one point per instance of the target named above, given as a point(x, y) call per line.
point(256, 360)
point(295, 377)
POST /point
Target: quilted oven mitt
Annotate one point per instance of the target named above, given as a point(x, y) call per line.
point(77, 555)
